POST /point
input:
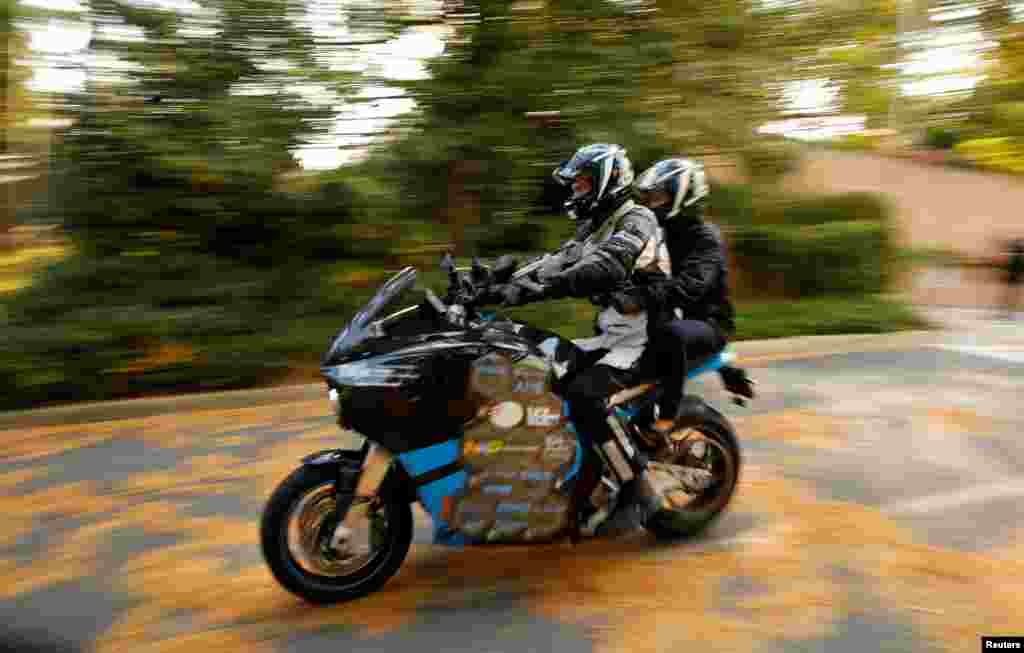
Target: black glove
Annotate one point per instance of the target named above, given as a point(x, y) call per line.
point(513, 294)
point(490, 295)
point(657, 295)
point(510, 294)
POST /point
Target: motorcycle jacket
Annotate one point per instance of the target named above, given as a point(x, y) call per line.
point(608, 258)
point(699, 284)
point(603, 257)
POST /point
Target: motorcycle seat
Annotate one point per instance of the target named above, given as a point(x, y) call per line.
point(716, 362)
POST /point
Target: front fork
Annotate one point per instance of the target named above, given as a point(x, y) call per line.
point(358, 486)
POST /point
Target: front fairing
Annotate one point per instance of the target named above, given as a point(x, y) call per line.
point(376, 351)
point(362, 328)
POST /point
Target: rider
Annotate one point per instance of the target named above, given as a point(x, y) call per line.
point(691, 315)
point(615, 238)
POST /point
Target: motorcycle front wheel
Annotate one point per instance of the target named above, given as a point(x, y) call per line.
point(296, 530)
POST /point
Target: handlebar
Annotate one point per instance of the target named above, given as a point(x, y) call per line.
point(435, 301)
point(468, 285)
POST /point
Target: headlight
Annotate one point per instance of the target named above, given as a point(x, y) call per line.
point(334, 397)
point(381, 373)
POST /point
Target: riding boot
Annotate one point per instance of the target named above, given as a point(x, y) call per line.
point(637, 502)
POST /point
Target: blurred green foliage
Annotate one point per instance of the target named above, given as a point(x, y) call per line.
point(1000, 154)
point(822, 316)
point(768, 160)
point(206, 258)
point(848, 257)
point(941, 138)
point(823, 209)
point(814, 246)
point(731, 204)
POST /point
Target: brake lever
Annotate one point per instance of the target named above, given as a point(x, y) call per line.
point(435, 302)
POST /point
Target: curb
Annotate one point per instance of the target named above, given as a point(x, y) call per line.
point(750, 353)
point(153, 406)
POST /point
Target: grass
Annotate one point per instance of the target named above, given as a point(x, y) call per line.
point(929, 256)
point(823, 316)
point(756, 320)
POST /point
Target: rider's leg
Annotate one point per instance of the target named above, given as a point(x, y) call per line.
point(588, 394)
point(678, 344)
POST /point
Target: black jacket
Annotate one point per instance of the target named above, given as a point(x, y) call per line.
point(609, 266)
point(700, 276)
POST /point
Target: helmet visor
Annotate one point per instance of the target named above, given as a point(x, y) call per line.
point(582, 185)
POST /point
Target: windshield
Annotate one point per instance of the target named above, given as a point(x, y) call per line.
point(358, 329)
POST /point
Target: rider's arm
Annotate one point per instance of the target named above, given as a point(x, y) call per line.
point(611, 263)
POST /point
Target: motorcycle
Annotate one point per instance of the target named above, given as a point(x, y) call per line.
point(460, 410)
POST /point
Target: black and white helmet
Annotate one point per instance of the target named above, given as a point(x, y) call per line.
point(610, 176)
point(670, 186)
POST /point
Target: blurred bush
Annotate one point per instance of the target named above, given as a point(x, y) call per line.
point(731, 204)
point(821, 209)
point(1002, 154)
point(768, 160)
point(814, 260)
point(817, 245)
point(941, 138)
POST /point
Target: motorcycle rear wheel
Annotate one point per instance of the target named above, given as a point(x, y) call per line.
point(692, 513)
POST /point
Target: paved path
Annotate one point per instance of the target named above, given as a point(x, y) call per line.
point(880, 509)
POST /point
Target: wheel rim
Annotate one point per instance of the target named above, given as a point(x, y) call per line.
point(309, 527)
point(697, 449)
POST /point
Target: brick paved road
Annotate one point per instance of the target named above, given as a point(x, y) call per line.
point(879, 510)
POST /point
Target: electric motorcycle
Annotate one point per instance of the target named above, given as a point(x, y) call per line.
point(460, 410)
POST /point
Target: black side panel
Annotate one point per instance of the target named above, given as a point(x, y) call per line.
point(404, 419)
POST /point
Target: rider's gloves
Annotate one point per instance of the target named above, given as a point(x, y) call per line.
point(657, 295)
point(525, 291)
point(511, 294)
point(491, 295)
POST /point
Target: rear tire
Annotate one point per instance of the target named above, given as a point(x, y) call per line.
point(723, 458)
point(304, 490)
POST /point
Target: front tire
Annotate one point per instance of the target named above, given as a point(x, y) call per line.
point(693, 513)
point(301, 514)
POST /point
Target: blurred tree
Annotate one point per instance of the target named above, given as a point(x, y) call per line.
point(583, 60)
point(169, 187)
point(15, 106)
point(996, 106)
point(193, 143)
point(659, 77)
